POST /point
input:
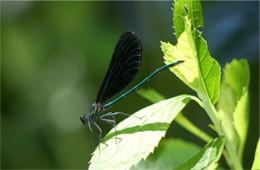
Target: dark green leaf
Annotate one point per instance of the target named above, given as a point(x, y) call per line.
point(208, 157)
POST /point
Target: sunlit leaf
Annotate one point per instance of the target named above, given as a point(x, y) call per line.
point(256, 163)
point(137, 137)
point(199, 71)
point(233, 104)
point(184, 8)
point(167, 155)
point(153, 96)
point(208, 157)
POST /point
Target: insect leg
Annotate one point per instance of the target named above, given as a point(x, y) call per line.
point(114, 125)
point(90, 127)
point(108, 121)
point(105, 115)
point(99, 129)
point(115, 128)
point(119, 113)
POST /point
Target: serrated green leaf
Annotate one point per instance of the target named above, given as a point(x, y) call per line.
point(233, 103)
point(256, 163)
point(208, 157)
point(241, 116)
point(194, 12)
point(137, 136)
point(153, 96)
point(170, 153)
point(199, 70)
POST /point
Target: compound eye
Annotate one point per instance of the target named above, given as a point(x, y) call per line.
point(83, 120)
point(81, 117)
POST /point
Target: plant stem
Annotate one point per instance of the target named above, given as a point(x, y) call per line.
point(189, 126)
point(211, 110)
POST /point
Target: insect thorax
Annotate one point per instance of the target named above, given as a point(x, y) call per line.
point(96, 108)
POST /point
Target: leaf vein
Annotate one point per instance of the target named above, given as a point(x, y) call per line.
point(204, 55)
point(207, 74)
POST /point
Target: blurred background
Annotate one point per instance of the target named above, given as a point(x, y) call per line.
point(54, 57)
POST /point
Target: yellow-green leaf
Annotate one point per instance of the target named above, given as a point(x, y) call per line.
point(256, 163)
point(137, 137)
point(207, 158)
point(179, 12)
point(199, 70)
point(170, 153)
point(233, 104)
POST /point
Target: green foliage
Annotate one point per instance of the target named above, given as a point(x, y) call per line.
point(233, 103)
point(256, 163)
point(167, 155)
point(199, 71)
point(194, 13)
point(207, 158)
point(142, 132)
point(202, 73)
point(153, 96)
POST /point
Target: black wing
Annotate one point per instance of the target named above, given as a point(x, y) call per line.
point(124, 65)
